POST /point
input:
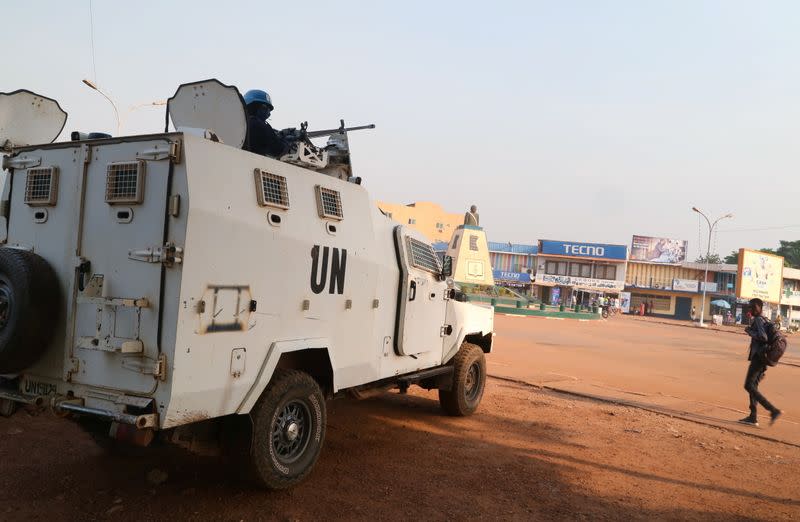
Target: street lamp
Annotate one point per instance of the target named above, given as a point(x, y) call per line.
point(121, 120)
point(708, 254)
point(94, 86)
point(132, 108)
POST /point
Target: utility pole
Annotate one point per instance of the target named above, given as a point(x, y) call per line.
point(708, 254)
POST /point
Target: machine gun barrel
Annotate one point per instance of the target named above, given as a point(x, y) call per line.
point(317, 134)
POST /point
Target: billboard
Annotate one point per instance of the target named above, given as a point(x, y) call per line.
point(685, 285)
point(760, 275)
point(658, 250)
point(583, 250)
point(514, 277)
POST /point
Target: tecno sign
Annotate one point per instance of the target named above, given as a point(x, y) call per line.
point(584, 250)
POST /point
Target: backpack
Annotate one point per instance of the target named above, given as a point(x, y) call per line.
point(776, 345)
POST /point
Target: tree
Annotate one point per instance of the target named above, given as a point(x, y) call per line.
point(713, 259)
point(732, 258)
point(790, 250)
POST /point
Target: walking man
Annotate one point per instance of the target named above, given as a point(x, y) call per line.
point(759, 340)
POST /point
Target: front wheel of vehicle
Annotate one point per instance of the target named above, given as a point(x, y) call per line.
point(469, 381)
point(288, 430)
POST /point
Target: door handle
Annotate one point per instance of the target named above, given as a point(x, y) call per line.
point(413, 291)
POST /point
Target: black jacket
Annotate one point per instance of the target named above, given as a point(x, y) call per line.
point(262, 139)
point(759, 336)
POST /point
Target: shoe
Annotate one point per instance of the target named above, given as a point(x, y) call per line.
point(774, 416)
point(749, 420)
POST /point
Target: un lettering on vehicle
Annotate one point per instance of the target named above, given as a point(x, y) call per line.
point(328, 264)
point(38, 388)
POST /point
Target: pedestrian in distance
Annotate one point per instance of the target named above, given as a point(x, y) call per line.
point(694, 312)
point(759, 343)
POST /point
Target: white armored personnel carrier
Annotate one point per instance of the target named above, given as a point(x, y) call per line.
point(176, 286)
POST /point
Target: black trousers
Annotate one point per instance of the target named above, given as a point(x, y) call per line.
point(755, 374)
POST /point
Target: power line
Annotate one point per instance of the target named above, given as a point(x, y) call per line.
point(781, 227)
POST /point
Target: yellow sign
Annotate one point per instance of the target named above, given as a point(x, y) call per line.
point(760, 275)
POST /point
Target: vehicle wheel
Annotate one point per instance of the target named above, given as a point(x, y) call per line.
point(29, 308)
point(469, 381)
point(7, 407)
point(288, 429)
point(605, 314)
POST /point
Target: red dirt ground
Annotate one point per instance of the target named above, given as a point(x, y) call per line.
point(527, 454)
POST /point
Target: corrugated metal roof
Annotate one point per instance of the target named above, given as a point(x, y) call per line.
point(712, 267)
point(791, 273)
point(513, 248)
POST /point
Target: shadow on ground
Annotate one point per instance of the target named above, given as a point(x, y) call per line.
point(388, 458)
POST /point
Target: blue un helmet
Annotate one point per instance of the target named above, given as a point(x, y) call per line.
point(258, 96)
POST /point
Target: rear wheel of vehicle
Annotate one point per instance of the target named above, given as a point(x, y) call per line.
point(7, 407)
point(288, 430)
point(469, 381)
point(29, 308)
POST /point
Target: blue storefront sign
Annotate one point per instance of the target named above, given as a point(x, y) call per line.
point(517, 277)
point(586, 250)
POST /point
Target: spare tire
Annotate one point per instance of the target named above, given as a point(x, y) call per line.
point(30, 305)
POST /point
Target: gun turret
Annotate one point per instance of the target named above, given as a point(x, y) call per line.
point(333, 159)
point(341, 130)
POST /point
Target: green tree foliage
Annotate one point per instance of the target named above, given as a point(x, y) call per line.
point(713, 259)
point(789, 250)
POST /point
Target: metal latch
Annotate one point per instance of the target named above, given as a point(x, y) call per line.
point(157, 369)
point(445, 330)
point(168, 254)
point(171, 151)
point(21, 162)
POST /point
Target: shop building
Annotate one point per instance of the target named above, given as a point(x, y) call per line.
point(513, 265)
point(674, 290)
point(790, 298)
point(429, 218)
point(583, 271)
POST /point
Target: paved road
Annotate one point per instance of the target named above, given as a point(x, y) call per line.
point(686, 371)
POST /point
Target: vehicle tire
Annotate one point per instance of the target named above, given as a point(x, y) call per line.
point(7, 408)
point(469, 381)
point(29, 308)
point(288, 430)
point(605, 313)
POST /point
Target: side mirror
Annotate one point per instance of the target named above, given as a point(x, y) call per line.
point(447, 267)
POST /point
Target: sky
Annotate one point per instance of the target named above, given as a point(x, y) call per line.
point(572, 120)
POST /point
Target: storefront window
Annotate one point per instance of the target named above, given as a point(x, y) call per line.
point(605, 272)
point(556, 268)
point(661, 303)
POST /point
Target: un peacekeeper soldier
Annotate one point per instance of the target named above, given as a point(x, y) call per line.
point(261, 137)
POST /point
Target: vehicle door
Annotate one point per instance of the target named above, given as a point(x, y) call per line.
point(121, 236)
point(421, 303)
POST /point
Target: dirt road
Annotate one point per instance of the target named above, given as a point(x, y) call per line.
point(678, 370)
point(527, 455)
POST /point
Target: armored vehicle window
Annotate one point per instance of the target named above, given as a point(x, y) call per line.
point(41, 186)
point(329, 203)
point(271, 189)
point(422, 256)
point(124, 182)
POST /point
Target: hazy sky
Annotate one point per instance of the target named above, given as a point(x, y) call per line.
point(585, 121)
